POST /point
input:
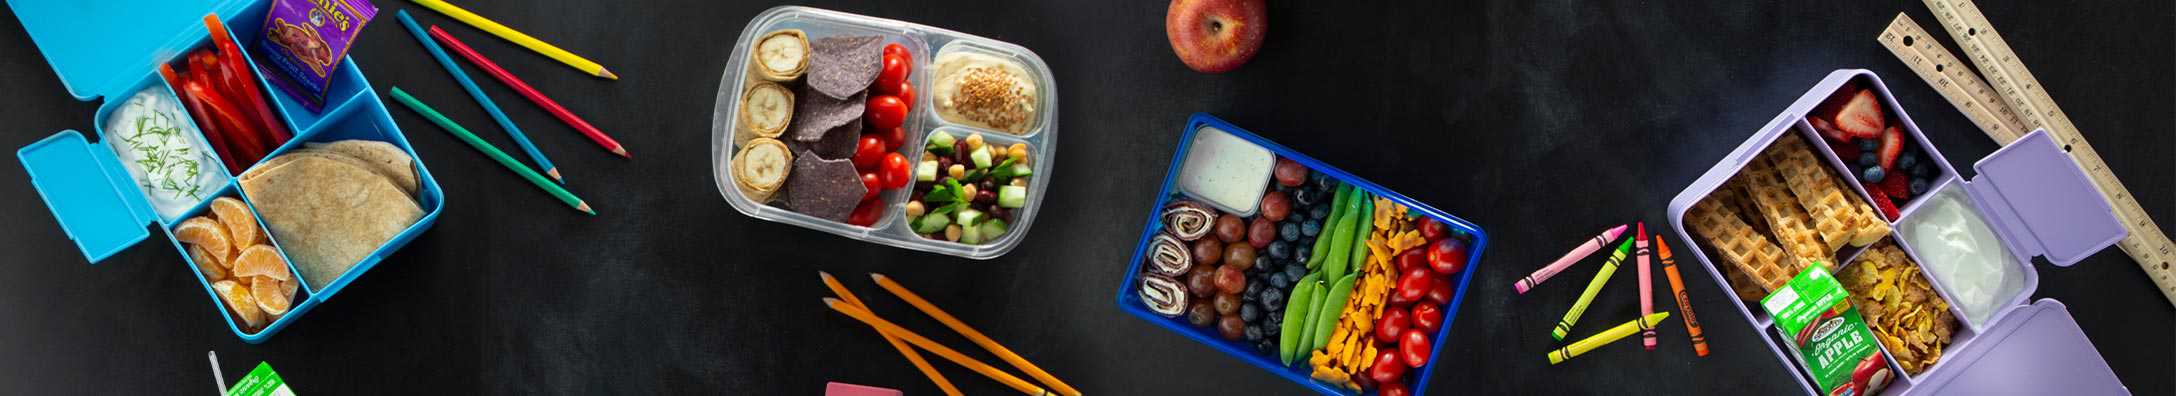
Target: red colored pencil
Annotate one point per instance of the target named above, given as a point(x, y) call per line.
point(527, 92)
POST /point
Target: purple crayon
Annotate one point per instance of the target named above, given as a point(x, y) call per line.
point(1574, 256)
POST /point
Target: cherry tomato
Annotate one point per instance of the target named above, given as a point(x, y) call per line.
point(874, 185)
point(1393, 389)
point(894, 72)
point(1388, 367)
point(1413, 286)
point(896, 171)
point(1412, 258)
point(866, 214)
point(893, 138)
point(1427, 318)
point(1393, 324)
point(869, 153)
point(886, 112)
point(1414, 348)
point(1447, 256)
point(1440, 292)
point(905, 92)
point(894, 49)
point(1432, 229)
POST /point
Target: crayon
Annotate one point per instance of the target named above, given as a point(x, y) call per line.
point(1607, 336)
point(1593, 287)
point(1684, 303)
point(1574, 256)
point(1647, 289)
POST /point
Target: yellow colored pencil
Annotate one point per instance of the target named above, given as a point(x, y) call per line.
point(516, 36)
point(916, 358)
point(887, 327)
point(976, 336)
point(1606, 337)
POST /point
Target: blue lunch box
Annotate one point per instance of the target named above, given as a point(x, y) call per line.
point(112, 49)
point(1129, 297)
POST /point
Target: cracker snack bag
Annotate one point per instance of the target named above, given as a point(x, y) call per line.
point(1830, 339)
point(305, 39)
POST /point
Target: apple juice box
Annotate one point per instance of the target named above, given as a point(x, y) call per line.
point(1828, 335)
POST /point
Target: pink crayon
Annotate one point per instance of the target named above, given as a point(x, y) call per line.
point(1574, 256)
point(1647, 290)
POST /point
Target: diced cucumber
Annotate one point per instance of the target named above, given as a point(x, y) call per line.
point(981, 157)
point(1012, 197)
point(925, 171)
point(991, 229)
point(940, 138)
point(971, 235)
point(931, 224)
point(968, 217)
point(1021, 170)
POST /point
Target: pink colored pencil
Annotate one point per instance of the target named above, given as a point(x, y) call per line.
point(1578, 253)
point(1647, 290)
point(546, 102)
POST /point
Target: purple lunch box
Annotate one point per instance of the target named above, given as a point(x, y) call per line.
point(2035, 200)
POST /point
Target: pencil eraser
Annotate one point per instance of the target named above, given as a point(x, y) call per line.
point(845, 389)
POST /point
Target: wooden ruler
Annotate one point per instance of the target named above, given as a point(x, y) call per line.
point(2017, 105)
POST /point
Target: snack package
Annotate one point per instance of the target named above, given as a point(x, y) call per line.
point(1830, 339)
point(305, 39)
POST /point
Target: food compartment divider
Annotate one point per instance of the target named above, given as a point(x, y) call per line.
point(345, 83)
point(296, 303)
point(366, 118)
point(1129, 298)
point(1021, 218)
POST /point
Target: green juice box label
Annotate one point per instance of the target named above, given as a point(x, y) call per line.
point(1828, 335)
point(261, 381)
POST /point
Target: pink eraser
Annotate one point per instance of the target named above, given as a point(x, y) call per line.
point(845, 389)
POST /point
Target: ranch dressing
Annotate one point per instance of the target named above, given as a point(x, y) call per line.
point(1226, 171)
point(163, 152)
point(1961, 252)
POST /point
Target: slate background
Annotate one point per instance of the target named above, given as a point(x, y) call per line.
point(1540, 121)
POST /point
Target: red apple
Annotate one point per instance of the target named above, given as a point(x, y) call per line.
point(1216, 36)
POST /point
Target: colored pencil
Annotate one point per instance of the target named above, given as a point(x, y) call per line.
point(1593, 287)
point(517, 37)
point(1684, 302)
point(904, 350)
point(458, 132)
point(1647, 288)
point(886, 327)
point(474, 92)
point(972, 335)
point(1607, 336)
point(546, 102)
point(1577, 253)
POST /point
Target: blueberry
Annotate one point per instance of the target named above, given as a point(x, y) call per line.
point(1919, 186)
point(1319, 212)
point(1249, 313)
point(1289, 232)
point(1279, 250)
point(1254, 334)
point(1311, 227)
point(1272, 324)
point(1322, 180)
point(1907, 160)
point(1922, 170)
point(1295, 272)
point(1867, 145)
point(1274, 300)
point(1305, 197)
point(1303, 252)
point(1277, 280)
point(1868, 159)
point(1871, 175)
point(1263, 263)
point(1253, 288)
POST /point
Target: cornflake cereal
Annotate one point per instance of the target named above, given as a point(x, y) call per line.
point(1906, 314)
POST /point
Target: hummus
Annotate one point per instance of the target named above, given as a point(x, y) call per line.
point(984, 91)
point(163, 152)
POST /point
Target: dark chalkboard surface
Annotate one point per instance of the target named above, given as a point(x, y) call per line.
point(1540, 121)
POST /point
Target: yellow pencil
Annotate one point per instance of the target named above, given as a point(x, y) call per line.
point(904, 350)
point(541, 47)
point(887, 327)
point(1606, 337)
point(976, 336)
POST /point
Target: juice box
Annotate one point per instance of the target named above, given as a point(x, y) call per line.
point(1828, 335)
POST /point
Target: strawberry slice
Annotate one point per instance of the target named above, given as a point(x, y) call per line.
point(1881, 201)
point(1861, 116)
point(1828, 130)
point(1896, 185)
point(1892, 144)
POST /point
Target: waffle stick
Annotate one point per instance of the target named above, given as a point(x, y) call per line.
point(1749, 252)
point(1835, 216)
point(1788, 222)
point(1734, 196)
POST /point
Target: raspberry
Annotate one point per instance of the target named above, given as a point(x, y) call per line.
point(1881, 201)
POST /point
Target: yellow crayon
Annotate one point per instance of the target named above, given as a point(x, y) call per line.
point(1606, 337)
point(1593, 287)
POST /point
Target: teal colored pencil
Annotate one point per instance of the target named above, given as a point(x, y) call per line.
point(457, 131)
point(520, 139)
point(1594, 287)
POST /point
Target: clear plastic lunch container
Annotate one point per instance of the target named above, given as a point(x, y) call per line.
point(2033, 199)
point(925, 43)
point(112, 50)
point(1129, 293)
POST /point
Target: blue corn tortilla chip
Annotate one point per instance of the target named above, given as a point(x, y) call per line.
point(839, 143)
point(844, 66)
point(827, 189)
point(818, 115)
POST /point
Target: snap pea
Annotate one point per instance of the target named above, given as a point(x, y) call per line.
point(1295, 316)
point(1363, 230)
point(1322, 241)
point(1333, 306)
point(1341, 249)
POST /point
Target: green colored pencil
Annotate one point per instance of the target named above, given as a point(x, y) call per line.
point(457, 131)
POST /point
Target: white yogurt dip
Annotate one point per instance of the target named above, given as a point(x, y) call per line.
point(163, 152)
point(1226, 171)
point(1956, 247)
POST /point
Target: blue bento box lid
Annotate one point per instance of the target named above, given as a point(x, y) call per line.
point(102, 48)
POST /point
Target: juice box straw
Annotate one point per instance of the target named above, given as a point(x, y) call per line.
point(1593, 287)
point(1647, 289)
point(1574, 256)
point(1607, 336)
point(1684, 302)
point(520, 139)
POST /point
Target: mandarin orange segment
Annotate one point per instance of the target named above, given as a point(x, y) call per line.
point(210, 265)
point(240, 304)
point(269, 296)
point(241, 223)
point(261, 260)
point(207, 233)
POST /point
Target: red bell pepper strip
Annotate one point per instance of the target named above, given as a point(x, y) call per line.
point(249, 96)
point(211, 132)
point(223, 113)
